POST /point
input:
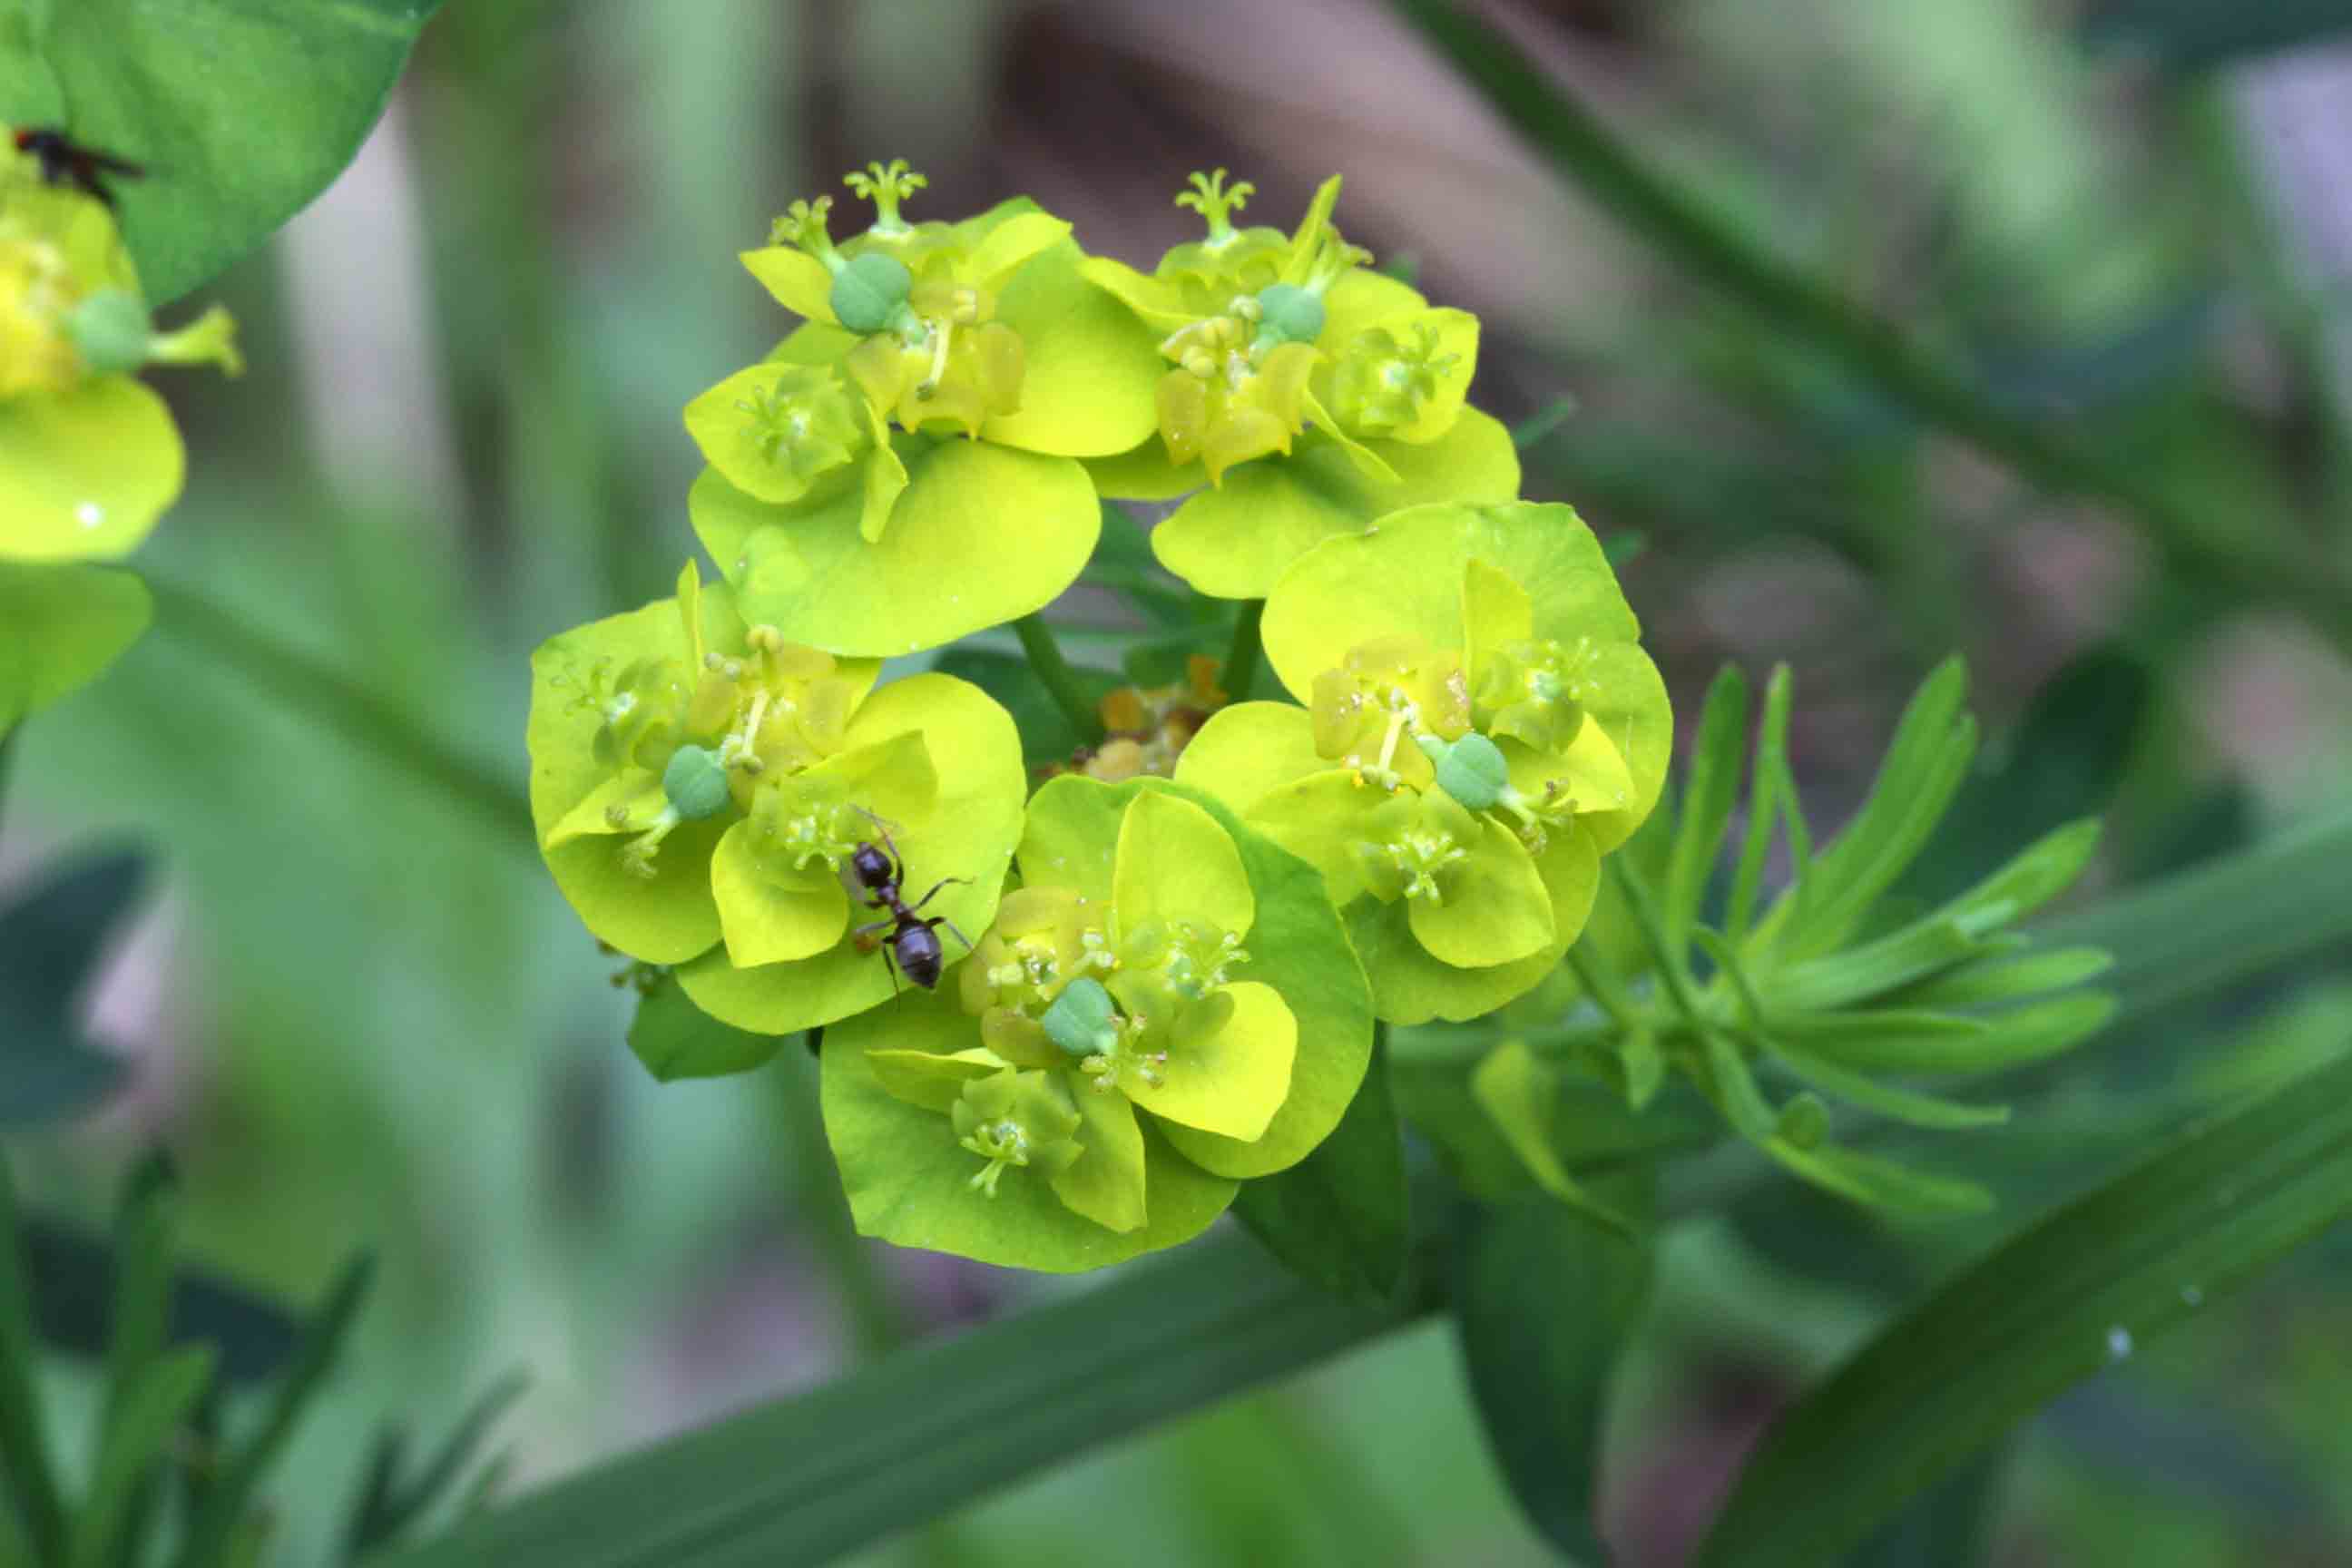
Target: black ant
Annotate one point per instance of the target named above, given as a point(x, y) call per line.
point(913, 943)
point(67, 163)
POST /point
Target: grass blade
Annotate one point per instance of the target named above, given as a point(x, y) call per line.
point(803, 1480)
point(24, 1444)
point(2046, 1310)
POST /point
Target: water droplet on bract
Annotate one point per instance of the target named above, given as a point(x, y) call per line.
point(2119, 1343)
point(2190, 1296)
point(90, 514)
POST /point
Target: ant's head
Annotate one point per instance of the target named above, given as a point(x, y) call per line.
point(874, 870)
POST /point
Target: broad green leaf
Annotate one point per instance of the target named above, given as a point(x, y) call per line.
point(1544, 1302)
point(676, 1039)
point(75, 1312)
point(241, 112)
point(931, 1427)
point(1339, 1217)
point(2075, 1292)
point(137, 1434)
point(50, 942)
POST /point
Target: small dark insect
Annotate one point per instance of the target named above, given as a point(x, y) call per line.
point(69, 162)
point(911, 942)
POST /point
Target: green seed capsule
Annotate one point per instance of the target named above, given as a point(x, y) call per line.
point(696, 783)
point(869, 293)
point(1291, 314)
point(1080, 1020)
point(1471, 769)
point(110, 332)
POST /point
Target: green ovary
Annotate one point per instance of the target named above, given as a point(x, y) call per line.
point(1384, 381)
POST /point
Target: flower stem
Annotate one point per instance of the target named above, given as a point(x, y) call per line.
point(1060, 681)
point(1241, 660)
point(2249, 563)
point(363, 716)
point(868, 1308)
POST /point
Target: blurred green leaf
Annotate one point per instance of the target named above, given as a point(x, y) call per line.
point(802, 1480)
point(1947, 1526)
point(146, 1230)
point(51, 939)
point(1342, 1217)
point(25, 1465)
point(215, 1528)
point(2078, 1290)
point(138, 1431)
point(1047, 732)
point(1716, 762)
point(242, 110)
point(1764, 798)
point(75, 1309)
point(1544, 1302)
point(388, 1506)
point(676, 1039)
point(1522, 1096)
point(2196, 35)
point(62, 627)
point(2065, 759)
point(1901, 1191)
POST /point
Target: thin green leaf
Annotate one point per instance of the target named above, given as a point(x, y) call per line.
point(2004, 978)
point(146, 1229)
point(24, 1467)
point(803, 1480)
point(1520, 1095)
point(1538, 427)
point(1731, 1084)
point(213, 1531)
point(1931, 1042)
point(2038, 873)
point(1901, 1191)
point(1341, 1216)
point(1925, 762)
point(1849, 978)
point(387, 1507)
point(1715, 765)
point(1890, 1101)
point(2047, 1309)
point(1763, 804)
point(75, 1311)
point(2199, 934)
point(1543, 1305)
point(138, 1433)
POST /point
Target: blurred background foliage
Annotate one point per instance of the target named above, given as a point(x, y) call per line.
point(358, 1015)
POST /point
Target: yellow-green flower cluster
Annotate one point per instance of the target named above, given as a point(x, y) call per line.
point(1115, 1000)
point(90, 458)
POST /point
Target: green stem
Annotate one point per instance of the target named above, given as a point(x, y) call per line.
point(1060, 681)
point(1672, 972)
point(363, 717)
point(877, 1325)
point(1713, 248)
point(1241, 660)
point(7, 756)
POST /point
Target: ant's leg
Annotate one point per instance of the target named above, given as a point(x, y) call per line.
point(943, 881)
point(864, 936)
point(937, 921)
point(890, 963)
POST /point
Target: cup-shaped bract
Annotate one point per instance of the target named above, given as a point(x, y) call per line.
point(88, 456)
point(700, 788)
point(904, 468)
point(1481, 725)
point(1166, 1006)
point(1308, 394)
